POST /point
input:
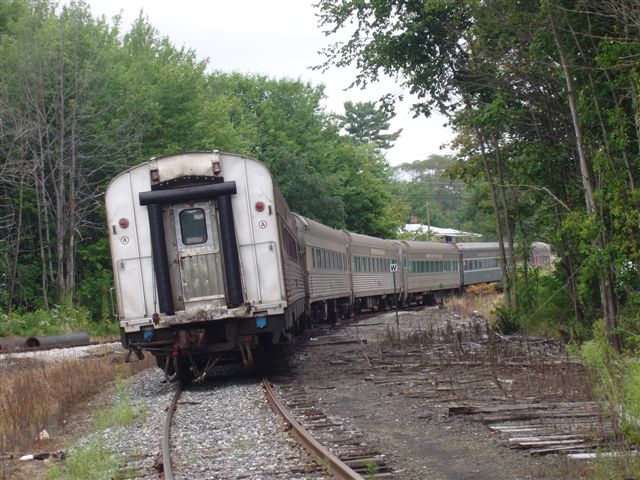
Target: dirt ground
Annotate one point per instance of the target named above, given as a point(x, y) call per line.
point(398, 393)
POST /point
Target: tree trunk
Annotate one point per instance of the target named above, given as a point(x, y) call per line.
point(496, 211)
point(512, 266)
point(606, 283)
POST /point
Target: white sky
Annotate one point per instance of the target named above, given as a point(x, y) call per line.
point(277, 38)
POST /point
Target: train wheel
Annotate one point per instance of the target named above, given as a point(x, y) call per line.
point(182, 368)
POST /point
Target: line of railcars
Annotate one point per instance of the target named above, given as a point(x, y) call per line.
point(210, 265)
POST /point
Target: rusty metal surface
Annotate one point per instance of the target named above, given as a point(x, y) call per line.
point(50, 341)
point(334, 465)
point(11, 343)
point(67, 340)
point(166, 436)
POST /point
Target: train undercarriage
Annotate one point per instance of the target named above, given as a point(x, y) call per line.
point(189, 352)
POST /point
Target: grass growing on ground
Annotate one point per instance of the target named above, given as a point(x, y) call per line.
point(478, 299)
point(124, 412)
point(33, 396)
point(93, 461)
point(616, 379)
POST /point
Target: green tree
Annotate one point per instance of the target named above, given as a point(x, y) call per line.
point(365, 123)
point(546, 115)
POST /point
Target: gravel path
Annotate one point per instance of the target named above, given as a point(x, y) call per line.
point(223, 429)
point(65, 353)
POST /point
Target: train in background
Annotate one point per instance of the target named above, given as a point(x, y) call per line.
point(210, 265)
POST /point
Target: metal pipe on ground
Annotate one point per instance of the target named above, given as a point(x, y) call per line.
point(67, 340)
point(8, 344)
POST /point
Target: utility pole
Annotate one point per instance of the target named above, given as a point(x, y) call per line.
point(428, 221)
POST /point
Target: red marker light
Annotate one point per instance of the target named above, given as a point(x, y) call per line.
point(123, 222)
point(259, 206)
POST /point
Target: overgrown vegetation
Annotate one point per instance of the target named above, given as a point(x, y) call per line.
point(93, 461)
point(58, 320)
point(82, 99)
point(122, 412)
point(617, 384)
point(38, 394)
point(543, 97)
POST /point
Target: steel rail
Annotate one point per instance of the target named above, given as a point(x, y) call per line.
point(333, 464)
point(166, 436)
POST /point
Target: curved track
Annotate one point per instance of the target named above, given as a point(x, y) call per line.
point(333, 464)
point(166, 436)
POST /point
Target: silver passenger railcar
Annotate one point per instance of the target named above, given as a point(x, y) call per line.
point(480, 262)
point(431, 270)
point(371, 277)
point(206, 259)
point(328, 273)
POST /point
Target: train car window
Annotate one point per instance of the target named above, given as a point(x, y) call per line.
point(193, 226)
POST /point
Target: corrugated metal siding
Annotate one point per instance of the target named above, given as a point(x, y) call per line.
point(329, 285)
point(293, 280)
point(482, 276)
point(433, 281)
point(365, 284)
point(200, 274)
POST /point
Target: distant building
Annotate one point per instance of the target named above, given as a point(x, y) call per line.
point(447, 235)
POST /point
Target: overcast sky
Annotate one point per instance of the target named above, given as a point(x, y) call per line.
point(277, 38)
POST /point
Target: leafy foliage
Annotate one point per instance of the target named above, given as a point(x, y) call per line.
point(365, 123)
point(80, 101)
point(544, 98)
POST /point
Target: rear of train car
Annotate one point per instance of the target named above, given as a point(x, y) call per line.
point(206, 261)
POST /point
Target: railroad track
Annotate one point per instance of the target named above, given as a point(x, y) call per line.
point(352, 466)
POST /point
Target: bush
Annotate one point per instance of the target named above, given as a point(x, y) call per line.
point(92, 461)
point(616, 382)
point(58, 320)
point(506, 319)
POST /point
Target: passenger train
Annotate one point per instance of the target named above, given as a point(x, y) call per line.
point(211, 266)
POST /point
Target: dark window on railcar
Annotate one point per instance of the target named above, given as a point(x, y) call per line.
point(193, 226)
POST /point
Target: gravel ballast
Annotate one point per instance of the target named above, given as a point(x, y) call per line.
point(222, 429)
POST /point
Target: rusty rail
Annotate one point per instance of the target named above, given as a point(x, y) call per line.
point(333, 464)
point(166, 436)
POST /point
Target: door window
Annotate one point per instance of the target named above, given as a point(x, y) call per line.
point(193, 226)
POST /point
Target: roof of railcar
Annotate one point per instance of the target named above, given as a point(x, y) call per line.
point(418, 246)
point(367, 241)
point(186, 154)
point(320, 230)
point(479, 246)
